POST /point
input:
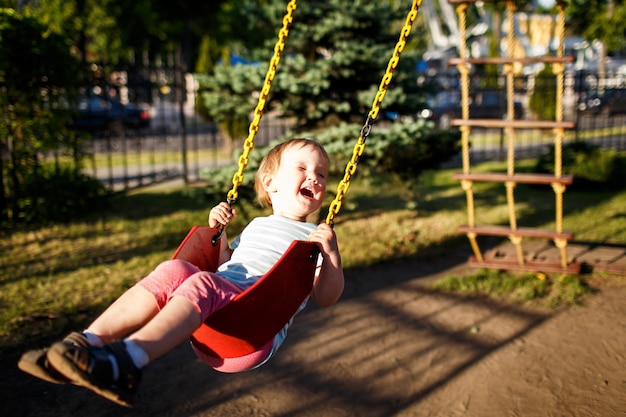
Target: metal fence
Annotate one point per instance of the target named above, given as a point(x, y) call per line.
point(604, 131)
point(596, 106)
point(181, 149)
point(178, 144)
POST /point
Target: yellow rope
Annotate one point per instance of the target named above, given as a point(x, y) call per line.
point(464, 72)
point(510, 79)
point(467, 185)
point(471, 221)
point(558, 69)
point(508, 68)
point(559, 189)
point(510, 186)
point(248, 144)
point(510, 132)
point(562, 245)
point(465, 145)
point(462, 67)
point(359, 147)
point(474, 244)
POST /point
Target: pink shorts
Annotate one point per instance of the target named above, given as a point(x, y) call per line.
point(208, 292)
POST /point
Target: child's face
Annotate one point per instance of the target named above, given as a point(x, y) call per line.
point(297, 188)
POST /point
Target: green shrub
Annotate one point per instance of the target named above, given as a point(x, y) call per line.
point(593, 168)
point(59, 195)
point(406, 149)
point(542, 102)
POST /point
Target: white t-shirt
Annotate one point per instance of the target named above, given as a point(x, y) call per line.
point(261, 244)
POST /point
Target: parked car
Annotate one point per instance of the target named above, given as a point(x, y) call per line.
point(485, 104)
point(612, 101)
point(98, 113)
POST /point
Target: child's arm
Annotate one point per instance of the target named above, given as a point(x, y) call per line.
point(329, 283)
point(222, 214)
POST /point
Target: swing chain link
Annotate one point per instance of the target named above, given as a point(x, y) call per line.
point(248, 144)
point(344, 184)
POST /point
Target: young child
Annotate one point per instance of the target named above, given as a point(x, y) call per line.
point(166, 307)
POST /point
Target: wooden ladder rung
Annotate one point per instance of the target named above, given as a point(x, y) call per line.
point(508, 60)
point(517, 124)
point(520, 231)
point(545, 266)
point(517, 178)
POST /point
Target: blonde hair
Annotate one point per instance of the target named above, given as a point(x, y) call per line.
point(270, 163)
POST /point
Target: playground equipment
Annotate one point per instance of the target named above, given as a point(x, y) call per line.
point(511, 178)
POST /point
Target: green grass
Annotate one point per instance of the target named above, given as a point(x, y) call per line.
point(556, 291)
point(57, 278)
point(147, 157)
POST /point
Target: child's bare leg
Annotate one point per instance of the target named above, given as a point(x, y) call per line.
point(142, 302)
point(129, 312)
point(169, 328)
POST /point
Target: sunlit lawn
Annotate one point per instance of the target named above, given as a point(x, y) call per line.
point(58, 277)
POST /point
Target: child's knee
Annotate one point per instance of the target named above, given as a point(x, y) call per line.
point(167, 277)
point(177, 267)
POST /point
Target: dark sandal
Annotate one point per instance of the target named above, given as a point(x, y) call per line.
point(91, 368)
point(35, 362)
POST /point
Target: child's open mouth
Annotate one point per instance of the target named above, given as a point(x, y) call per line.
point(307, 193)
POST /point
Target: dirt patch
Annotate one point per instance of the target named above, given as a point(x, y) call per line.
point(391, 347)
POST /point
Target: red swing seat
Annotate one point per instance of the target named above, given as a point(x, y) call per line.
point(256, 315)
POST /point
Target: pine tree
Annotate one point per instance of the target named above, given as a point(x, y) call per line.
point(334, 59)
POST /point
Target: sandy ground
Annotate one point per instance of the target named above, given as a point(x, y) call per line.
point(391, 347)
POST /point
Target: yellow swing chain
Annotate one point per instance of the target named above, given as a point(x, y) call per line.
point(248, 144)
point(359, 147)
point(344, 184)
